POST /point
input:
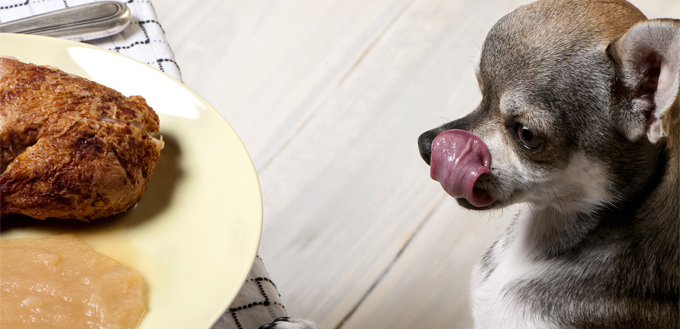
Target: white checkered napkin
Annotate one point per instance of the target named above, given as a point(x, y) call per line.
point(143, 40)
point(259, 301)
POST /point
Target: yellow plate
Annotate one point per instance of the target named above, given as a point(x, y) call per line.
point(196, 231)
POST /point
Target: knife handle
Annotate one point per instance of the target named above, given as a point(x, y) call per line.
point(79, 23)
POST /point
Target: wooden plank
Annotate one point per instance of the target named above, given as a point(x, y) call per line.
point(428, 284)
point(320, 200)
point(265, 65)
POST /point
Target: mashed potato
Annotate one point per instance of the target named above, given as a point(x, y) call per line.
point(59, 282)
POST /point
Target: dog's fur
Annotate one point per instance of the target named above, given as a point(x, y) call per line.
point(598, 243)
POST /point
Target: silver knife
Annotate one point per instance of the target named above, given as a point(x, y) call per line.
point(79, 23)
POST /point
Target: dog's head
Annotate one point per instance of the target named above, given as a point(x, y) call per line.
point(579, 99)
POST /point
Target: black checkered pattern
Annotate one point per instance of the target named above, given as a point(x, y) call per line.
point(143, 40)
point(258, 302)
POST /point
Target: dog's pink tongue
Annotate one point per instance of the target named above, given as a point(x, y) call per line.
point(458, 159)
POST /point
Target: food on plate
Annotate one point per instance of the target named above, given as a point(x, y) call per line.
point(59, 282)
point(71, 148)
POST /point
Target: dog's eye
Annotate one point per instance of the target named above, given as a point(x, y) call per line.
point(528, 138)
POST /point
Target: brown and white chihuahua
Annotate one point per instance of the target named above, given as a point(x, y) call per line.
point(579, 120)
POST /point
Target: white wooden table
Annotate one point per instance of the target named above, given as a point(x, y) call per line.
point(329, 97)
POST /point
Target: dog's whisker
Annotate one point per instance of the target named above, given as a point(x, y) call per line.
point(557, 199)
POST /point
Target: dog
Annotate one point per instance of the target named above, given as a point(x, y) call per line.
point(579, 121)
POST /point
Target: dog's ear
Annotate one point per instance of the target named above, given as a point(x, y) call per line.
point(648, 58)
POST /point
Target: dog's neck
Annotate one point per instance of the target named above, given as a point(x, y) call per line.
point(665, 199)
point(547, 232)
point(673, 167)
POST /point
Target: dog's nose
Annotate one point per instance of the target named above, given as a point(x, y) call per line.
point(425, 143)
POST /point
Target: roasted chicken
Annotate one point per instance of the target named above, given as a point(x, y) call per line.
point(71, 148)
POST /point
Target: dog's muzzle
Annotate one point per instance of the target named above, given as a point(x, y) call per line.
point(457, 160)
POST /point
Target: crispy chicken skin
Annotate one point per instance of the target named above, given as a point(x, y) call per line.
point(71, 148)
